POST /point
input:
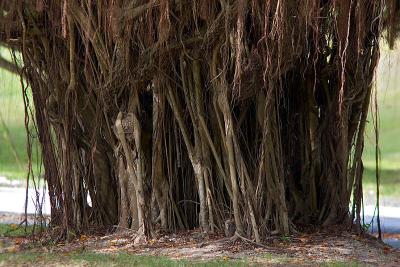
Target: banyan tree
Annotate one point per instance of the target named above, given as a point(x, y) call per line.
point(178, 114)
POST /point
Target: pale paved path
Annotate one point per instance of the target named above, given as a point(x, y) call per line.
point(390, 218)
point(12, 199)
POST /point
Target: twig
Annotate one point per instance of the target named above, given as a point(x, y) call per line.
point(250, 241)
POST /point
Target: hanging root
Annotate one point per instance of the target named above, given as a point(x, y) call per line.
point(186, 114)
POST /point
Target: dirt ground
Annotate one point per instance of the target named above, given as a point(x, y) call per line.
point(318, 248)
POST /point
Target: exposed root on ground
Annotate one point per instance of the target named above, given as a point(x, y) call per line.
point(330, 245)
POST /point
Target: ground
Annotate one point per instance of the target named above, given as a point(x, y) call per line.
point(330, 247)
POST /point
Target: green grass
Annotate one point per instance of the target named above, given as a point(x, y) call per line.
point(115, 258)
point(389, 134)
point(88, 258)
point(390, 181)
point(13, 162)
point(14, 230)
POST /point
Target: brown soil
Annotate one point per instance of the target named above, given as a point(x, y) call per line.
point(330, 245)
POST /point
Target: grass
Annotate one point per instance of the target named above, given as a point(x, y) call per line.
point(30, 258)
point(13, 155)
point(89, 258)
point(389, 135)
point(390, 181)
point(14, 230)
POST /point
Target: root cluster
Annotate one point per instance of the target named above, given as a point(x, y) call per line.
point(178, 114)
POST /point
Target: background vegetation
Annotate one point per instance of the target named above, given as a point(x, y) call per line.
point(13, 156)
point(388, 80)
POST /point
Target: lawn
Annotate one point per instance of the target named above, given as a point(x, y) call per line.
point(13, 155)
point(87, 258)
point(90, 259)
point(389, 135)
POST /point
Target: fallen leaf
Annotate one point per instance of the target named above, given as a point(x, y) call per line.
point(83, 238)
point(386, 250)
point(18, 240)
point(303, 240)
point(12, 249)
